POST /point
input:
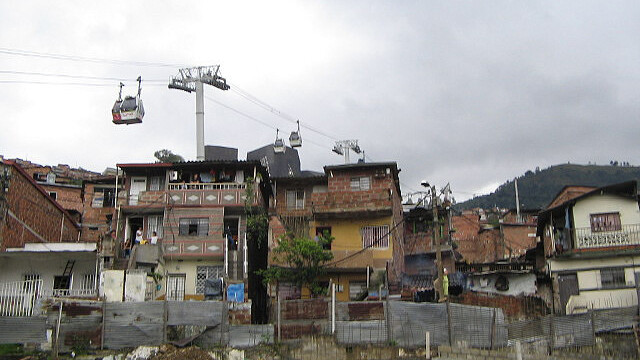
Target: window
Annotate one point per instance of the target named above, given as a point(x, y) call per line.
point(605, 222)
point(104, 198)
point(175, 287)
point(194, 227)
point(324, 231)
point(360, 183)
point(295, 199)
point(375, 236)
point(154, 223)
point(156, 183)
point(206, 272)
point(53, 195)
point(612, 278)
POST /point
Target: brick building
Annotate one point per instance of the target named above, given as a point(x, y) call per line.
point(197, 210)
point(360, 206)
point(40, 242)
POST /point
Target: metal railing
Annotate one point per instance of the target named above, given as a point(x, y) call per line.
point(18, 298)
point(74, 292)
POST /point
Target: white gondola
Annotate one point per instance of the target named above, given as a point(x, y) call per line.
point(295, 140)
point(130, 110)
point(278, 145)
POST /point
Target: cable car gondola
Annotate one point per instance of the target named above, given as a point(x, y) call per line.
point(130, 110)
point(295, 140)
point(278, 145)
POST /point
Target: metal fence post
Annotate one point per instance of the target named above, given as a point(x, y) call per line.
point(333, 308)
point(492, 340)
point(449, 325)
point(552, 334)
point(278, 309)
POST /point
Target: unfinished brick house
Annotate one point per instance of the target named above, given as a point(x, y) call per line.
point(420, 268)
point(41, 253)
point(360, 206)
point(197, 211)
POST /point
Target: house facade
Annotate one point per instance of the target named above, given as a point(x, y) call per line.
point(197, 212)
point(360, 206)
point(41, 252)
point(592, 248)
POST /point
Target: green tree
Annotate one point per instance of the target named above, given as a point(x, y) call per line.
point(166, 156)
point(301, 261)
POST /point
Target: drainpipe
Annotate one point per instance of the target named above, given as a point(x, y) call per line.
point(61, 227)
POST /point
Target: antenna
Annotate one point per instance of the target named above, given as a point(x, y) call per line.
point(191, 79)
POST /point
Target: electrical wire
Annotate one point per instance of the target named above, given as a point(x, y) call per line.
point(12, 72)
point(27, 53)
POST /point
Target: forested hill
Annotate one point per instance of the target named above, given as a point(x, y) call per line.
point(537, 188)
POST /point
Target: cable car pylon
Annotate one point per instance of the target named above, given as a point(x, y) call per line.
point(192, 79)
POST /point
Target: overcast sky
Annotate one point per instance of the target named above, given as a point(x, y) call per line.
point(471, 93)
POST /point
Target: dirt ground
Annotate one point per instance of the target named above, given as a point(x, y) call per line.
point(168, 352)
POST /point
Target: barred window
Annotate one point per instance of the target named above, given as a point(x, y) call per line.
point(156, 183)
point(360, 183)
point(295, 199)
point(194, 227)
point(206, 272)
point(605, 222)
point(612, 278)
point(375, 236)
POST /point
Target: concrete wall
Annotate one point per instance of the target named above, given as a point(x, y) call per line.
point(592, 295)
point(628, 209)
point(14, 266)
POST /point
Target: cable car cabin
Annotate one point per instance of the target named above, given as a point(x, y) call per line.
point(278, 146)
point(131, 111)
point(295, 140)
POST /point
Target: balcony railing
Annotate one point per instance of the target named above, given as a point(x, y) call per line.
point(585, 238)
point(206, 186)
point(19, 298)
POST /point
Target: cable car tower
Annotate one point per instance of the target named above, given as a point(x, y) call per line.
point(191, 79)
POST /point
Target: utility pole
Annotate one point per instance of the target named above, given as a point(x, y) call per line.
point(192, 79)
point(436, 237)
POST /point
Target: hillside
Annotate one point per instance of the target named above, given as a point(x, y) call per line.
point(537, 189)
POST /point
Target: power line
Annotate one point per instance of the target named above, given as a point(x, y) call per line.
point(256, 119)
point(11, 72)
point(27, 53)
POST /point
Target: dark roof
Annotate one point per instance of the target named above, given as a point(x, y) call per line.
point(279, 165)
point(214, 152)
point(363, 165)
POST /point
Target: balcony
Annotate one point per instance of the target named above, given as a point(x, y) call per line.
point(585, 238)
point(208, 194)
point(24, 298)
point(626, 236)
point(197, 248)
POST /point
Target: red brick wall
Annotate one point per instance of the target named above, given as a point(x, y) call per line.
point(517, 238)
point(514, 307)
point(305, 309)
point(69, 198)
point(94, 216)
point(33, 207)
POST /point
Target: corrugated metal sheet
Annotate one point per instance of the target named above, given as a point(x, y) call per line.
point(132, 324)
point(23, 330)
point(208, 313)
point(244, 336)
point(362, 332)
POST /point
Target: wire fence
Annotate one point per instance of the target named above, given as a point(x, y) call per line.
point(606, 331)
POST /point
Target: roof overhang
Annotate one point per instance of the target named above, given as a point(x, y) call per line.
point(55, 247)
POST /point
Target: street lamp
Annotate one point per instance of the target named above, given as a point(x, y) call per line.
point(436, 237)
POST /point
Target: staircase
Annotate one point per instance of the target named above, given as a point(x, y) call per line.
point(65, 282)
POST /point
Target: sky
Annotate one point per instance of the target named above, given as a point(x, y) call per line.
point(466, 93)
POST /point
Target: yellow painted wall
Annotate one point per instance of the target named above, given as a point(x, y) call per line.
point(588, 279)
point(602, 299)
point(628, 209)
point(188, 267)
point(347, 235)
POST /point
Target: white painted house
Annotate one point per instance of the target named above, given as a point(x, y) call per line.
point(592, 248)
